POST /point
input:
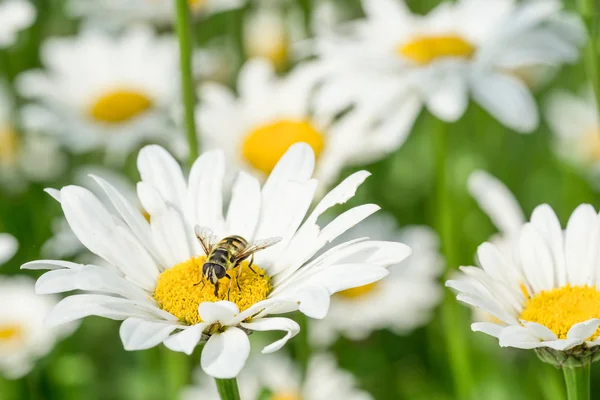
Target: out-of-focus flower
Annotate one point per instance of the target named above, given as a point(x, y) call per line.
point(544, 298)
point(394, 62)
point(215, 61)
point(24, 338)
point(266, 36)
point(281, 378)
point(270, 114)
point(15, 16)
point(574, 121)
point(8, 247)
point(25, 157)
point(101, 91)
point(161, 12)
point(401, 302)
point(156, 265)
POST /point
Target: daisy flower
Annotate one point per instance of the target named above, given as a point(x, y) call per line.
point(25, 156)
point(271, 113)
point(395, 60)
point(155, 280)
point(281, 378)
point(15, 16)
point(401, 302)
point(160, 12)
point(266, 36)
point(98, 91)
point(573, 118)
point(545, 298)
point(24, 338)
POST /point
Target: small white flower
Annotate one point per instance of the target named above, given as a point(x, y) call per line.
point(153, 281)
point(401, 302)
point(575, 123)
point(546, 296)
point(271, 113)
point(393, 63)
point(15, 16)
point(25, 156)
point(24, 338)
point(282, 379)
point(102, 91)
point(266, 36)
point(161, 12)
point(8, 247)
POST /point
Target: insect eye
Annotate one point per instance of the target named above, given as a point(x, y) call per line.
point(220, 271)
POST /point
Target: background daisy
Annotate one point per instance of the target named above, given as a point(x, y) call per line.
point(98, 91)
point(15, 16)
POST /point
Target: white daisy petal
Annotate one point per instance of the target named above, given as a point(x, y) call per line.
point(540, 330)
point(244, 208)
point(8, 247)
point(519, 337)
point(221, 311)
point(313, 301)
point(140, 334)
point(274, 324)
point(583, 330)
point(186, 340)
point(225, 354)
point(205, 189)
point(581, 237)
point(488, 328)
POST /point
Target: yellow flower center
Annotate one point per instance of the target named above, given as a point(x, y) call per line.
point(9, 145)
point(119, 106)
point(10, 332)
point(423, 50)
point(286, 396)
point(560, 309)
point(358, 292)
point(181, 289)
point(264, 146)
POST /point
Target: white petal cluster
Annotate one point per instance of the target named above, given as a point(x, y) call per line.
point(137, 251)
point(15, 16)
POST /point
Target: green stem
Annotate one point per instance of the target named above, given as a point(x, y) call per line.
point(228, 389)
point(587, 9)
point(187, 81)
point(452, 318)
point(301, 344)
point(578, 382)
point(176, 372)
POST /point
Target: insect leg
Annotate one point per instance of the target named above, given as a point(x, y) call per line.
point(217, 289)
point(229, 288)
point(250, 265)
point(201, 281)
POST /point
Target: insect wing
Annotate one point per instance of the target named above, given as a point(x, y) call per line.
point(257, 246)
point(206, 237)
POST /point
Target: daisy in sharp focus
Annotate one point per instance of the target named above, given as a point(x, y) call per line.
point(271, 113)
point(160, 12)
point(546, 297)
point(15, 16)
point(158, 282)
point(282, 380)
point(402, 302)
point(394, 61)
point(574, 120)
point(100, 91)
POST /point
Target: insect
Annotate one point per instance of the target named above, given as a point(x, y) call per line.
point(227, 254)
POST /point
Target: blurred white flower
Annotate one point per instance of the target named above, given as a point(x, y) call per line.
point(266, 36)
point(156, 265)
point(161, 12)
point(24, 337)
point(402, 302)
point(575, 123)
point(8, 247)
point(393, 63)
point(15, 16)
point(101, 91)
point(25, 156)
point(271, 113)
point(282, 379)
point(545, 297)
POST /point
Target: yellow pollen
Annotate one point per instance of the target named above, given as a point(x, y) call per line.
point(560, 309)
point(264, 146)
point(10, 332)
point(119, 106)
point(359, 291)
point(180, 291)
point(9, 145)
point(423, 50)
point(286, 396)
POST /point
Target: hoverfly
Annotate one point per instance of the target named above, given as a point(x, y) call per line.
point(227, 254)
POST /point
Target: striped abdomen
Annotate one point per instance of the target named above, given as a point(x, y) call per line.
point(225, 252)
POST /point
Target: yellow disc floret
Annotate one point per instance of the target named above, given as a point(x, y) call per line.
point(264, 146)
point(10, 332)
point(119, 106)
point(423, 50)
point(358, 292)
point(181, 289)
point(560, 309)
point(286, 396)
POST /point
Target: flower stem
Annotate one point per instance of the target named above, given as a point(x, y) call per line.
point(187, 82)
point(578, 382)
point(228, 389)
point(451, 316)
point(587, 9)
